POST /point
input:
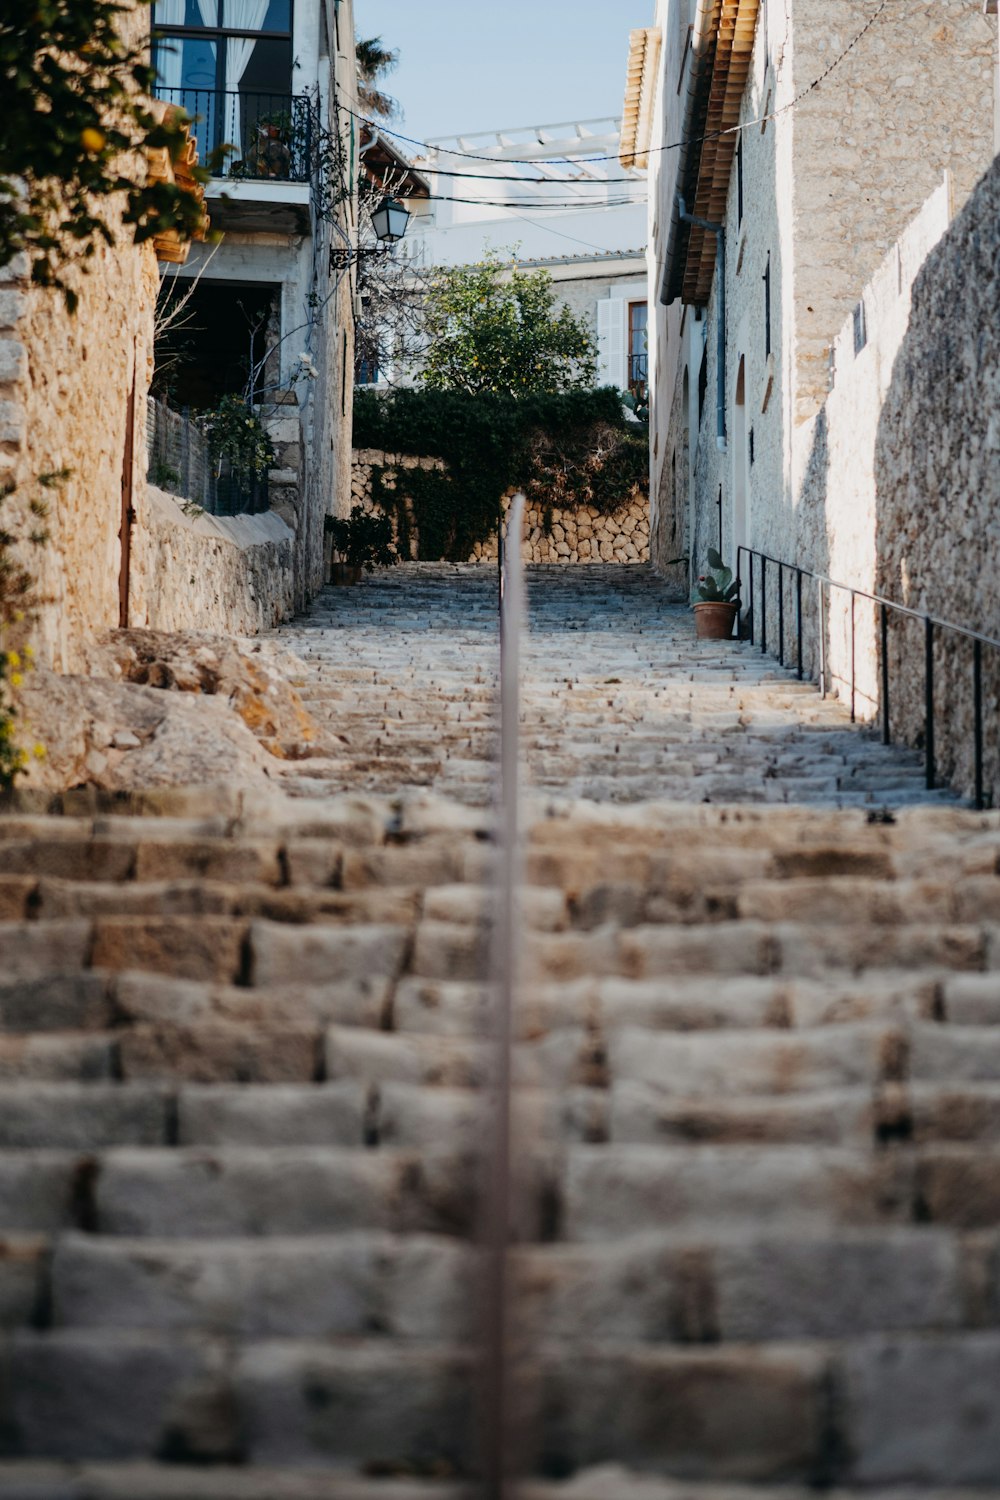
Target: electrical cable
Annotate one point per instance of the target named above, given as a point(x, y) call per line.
point(653, 150)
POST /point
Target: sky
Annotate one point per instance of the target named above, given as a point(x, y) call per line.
point(474, 65)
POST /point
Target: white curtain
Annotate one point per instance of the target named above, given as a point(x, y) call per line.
point(169, 60)
point(241, 15)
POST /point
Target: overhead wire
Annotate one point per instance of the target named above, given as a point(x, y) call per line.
point(653, 150)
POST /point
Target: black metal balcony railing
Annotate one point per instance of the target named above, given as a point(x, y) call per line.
point(271, 134)
point(638, 374)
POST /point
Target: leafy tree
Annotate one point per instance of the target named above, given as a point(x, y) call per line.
point(493, 328)
point(374, 62)
point(75, 120)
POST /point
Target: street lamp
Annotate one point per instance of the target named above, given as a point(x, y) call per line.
point(390, 220)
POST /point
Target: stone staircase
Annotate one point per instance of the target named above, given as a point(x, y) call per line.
point(758, 1179)
point(620, 703)
point(244, 1065)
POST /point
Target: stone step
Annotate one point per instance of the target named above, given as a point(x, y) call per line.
point(79, 1394)
point(406, 1287)
point(225, 1191)
point(40, 1480)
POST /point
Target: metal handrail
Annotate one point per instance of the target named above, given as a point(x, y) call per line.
point(931, 623)
point(497, 1415)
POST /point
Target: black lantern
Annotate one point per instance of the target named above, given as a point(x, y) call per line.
point(390, 220)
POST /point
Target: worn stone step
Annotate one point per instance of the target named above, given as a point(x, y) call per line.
point(282, 1190)
point(404, 1287)
point(42, 1480)
point(755, 1285)
point(83, 1394)
point(83, 1116)
point(227, 1191)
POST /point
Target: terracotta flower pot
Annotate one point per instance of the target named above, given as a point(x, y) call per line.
point(714, 619)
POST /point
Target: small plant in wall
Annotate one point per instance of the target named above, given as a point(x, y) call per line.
point(362, 542)
point(717, 600)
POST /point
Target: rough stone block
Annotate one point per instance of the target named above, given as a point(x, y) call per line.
point(13, 361)
point(77, 1395)
point(753, 1415)
point(62, 1002)
point(388, 1404)
point(836, 1286)
point(81, 1117)
point(331, 1114)
point(220, 1052)
point(923, 1410)
point(181, 947)
point(300, 1190)
point(802, 1187)
point(37, 950)
point(319, 955)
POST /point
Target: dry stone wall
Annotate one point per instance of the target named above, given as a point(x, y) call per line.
point(65, 385)
point(937, 479)
point(192, 571)
point(552, 534)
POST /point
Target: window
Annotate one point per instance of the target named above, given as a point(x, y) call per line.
point(860, 328)
point(638, 345)
point(739, 179)
point(229, 64)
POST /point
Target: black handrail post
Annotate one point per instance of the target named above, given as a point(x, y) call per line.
point(977, 702)
point(853, 714)
point(822, 638)
point(781, 613)
point(763, 603)
point(884, 622)
point(753, 615)
point(929, 699)
point(798, 618)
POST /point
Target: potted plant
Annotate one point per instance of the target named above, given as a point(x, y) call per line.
point(364, 542)
point(718, 601)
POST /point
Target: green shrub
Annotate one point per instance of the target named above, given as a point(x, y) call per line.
point(564, 450)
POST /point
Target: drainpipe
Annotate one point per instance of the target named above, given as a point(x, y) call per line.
point(720, 277)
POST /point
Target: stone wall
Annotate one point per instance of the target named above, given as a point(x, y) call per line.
point(937, 481)
point(552, 535)
point(65, 385)
point(193, 571)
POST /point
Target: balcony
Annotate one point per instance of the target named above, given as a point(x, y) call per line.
point(638, 376)
point(272, 135)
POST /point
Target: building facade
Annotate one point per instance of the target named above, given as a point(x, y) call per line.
point(789, 147)
point(589, 240)
point(272, 87)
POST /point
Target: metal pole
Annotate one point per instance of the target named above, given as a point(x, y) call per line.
point(853, 715)
point(929, 700)
point(977, 701)
point(822, 639)
point(497, 1416)
point(884, 622)
point(763, 603)
point(753, 615)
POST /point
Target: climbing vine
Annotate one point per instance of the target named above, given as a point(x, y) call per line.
point(74, 122)
point(564, 450)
